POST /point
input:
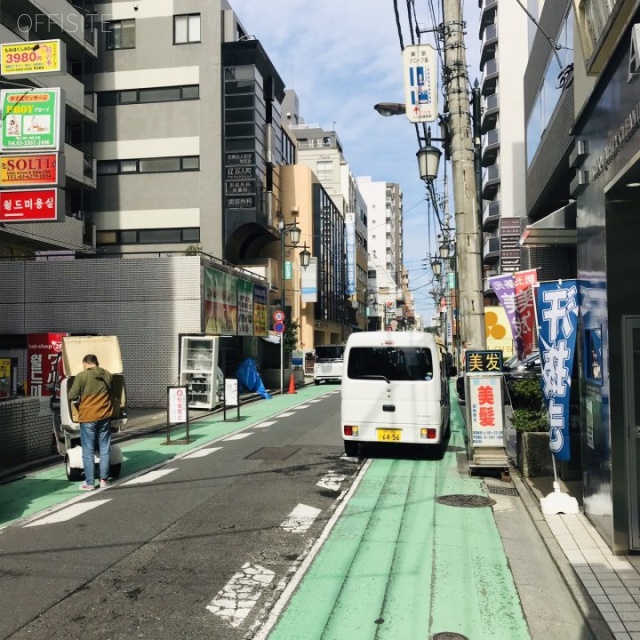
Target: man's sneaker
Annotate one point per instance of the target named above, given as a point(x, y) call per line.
point(86, 487)
point(104, 484)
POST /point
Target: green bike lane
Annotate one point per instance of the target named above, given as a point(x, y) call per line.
point(397, 564)
point(37, 491)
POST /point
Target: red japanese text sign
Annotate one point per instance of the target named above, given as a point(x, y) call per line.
point(486, 410)
point(43, 350)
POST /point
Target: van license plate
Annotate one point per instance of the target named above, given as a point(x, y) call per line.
point(389, 435)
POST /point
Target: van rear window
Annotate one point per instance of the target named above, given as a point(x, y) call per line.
point(332, 352)
point(390, 363)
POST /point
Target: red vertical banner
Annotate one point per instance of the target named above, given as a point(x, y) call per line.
point(43, 350)
point(525, 307)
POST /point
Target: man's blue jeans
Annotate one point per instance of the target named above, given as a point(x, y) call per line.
point(95, 436)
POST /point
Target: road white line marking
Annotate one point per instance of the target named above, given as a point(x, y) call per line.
point(67, 514)
point(201, 453)
point(149, 477)
point(237, 436)
point(285, 415)
point(263, 627)
point(331, 481)
point(263, 425)
point(300, 519)
point(317, 400)
point(236, 599)
point(302, 406)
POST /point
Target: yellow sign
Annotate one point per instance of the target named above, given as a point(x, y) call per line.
point(28, 58)
point(5, 367)
point(497, 330)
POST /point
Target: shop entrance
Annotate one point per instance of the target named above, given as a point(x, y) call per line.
point(631, 380)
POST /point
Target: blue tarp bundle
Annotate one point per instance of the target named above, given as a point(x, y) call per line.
point(250, 379)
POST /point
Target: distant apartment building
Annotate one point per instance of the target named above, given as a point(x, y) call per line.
point(504, 52)
point(384, 239)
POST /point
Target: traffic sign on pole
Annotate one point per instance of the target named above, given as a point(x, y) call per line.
point(420, 83)
point(278, 327)
point(278, 316)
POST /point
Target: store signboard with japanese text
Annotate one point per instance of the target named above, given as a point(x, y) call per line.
point(309, 282)
point(260, 310)
point(557, 308)
point(503, 286)
point(350, 239)
point(220, 303)
point(32, 120)
point(245, 308)
point(34, 205)
point(526, 307)
point(486, 410)
point(43, 350)
point(240, 180)
point(31, 170)
point(22, 59)
point(485, 361)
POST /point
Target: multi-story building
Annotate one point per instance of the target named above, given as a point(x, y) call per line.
point(384, 238)
point(503, 58)
point(322, 151)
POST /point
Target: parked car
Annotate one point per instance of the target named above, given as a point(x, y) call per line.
point(527, 368)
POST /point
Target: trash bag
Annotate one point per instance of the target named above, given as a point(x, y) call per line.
point(250, 379)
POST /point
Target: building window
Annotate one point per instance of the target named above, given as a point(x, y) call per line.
point(149, 165)
point(148, 236)
point(143, 96)
point(121, 34)
point(186, 28)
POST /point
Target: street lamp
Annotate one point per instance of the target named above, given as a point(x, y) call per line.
point(305, 256)
point(428, 160)
point(294, 232)
point(436, 267)
point(387, 109)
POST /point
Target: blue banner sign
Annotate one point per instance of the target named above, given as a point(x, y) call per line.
point(557, 311)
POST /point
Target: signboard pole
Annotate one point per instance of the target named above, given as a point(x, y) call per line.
point(177, 412)
point(231, 397)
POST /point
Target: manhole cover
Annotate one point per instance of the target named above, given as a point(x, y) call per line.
point(448, 635)
point(461, 500)
point(503, 491)
point(273, 453)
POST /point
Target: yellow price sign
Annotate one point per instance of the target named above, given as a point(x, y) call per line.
point(27, 58)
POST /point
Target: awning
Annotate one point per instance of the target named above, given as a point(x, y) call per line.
point(557, 228)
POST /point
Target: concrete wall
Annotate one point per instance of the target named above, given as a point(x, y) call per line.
point(26, 432)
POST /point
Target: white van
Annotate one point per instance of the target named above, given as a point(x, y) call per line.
point(65, 414)
point(328, 363)
point(395, 388)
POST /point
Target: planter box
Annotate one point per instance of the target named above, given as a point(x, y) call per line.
point(534, 456)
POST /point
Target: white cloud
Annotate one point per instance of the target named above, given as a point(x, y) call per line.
point(342, 57)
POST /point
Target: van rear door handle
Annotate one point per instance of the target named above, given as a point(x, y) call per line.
point(389, 407)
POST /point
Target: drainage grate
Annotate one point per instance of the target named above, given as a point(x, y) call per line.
point(461, 500)
point(448, 635)
point(503, 491)
point(273, 453)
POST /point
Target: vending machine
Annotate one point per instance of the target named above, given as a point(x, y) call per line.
point(198, 366)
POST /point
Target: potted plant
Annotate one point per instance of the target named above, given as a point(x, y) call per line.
point(532, 428)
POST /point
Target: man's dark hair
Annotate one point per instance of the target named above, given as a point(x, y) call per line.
point(90, 359)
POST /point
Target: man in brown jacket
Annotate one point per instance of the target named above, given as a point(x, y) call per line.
point(92, 387)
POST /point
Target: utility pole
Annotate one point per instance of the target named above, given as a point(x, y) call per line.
point(465, 199)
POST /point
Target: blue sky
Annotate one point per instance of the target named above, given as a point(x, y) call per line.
point(342, 57)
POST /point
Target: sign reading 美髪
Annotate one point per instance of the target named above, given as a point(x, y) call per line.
point(32, 119)
point(21, 59)
point(29, 170)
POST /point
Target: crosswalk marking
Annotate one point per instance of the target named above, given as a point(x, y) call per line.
point(149, 477)
point(300, 519)
point(264, 425)
point(236, 599)
point(201, 453)
point(73, 511)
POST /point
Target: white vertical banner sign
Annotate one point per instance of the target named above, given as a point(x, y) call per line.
point(420, 83)
point(309, 282)
point(350, 238)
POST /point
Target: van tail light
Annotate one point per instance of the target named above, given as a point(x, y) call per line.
point(428, 434)
point(350, 430)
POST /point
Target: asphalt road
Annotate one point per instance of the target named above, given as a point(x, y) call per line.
point(197, 548)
